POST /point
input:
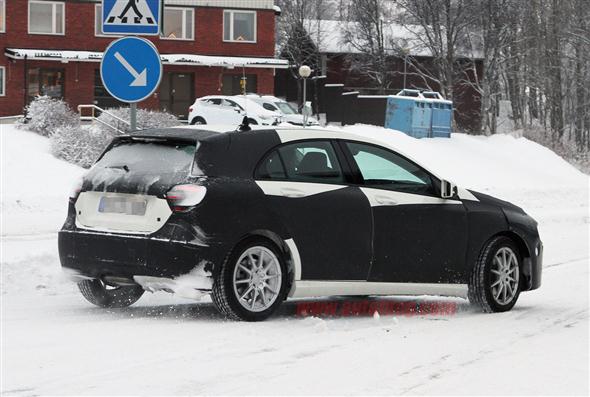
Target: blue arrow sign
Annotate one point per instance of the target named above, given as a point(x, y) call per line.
point(131, 69)
point(131, 16)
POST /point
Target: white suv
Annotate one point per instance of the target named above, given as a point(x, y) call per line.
point(220, 109)
point(288, 112)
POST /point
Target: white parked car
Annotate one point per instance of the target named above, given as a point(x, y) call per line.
point(288, 112)
point(221, 109)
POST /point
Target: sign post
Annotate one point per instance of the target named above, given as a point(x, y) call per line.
point(131, 68)
point(131, 71)
point(133, 116)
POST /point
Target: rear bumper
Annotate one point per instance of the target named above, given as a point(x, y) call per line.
point(94, 255)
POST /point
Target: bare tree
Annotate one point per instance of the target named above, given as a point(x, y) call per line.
point(299, 34)
point(442, 26)
point(365, 31)
point(490, 38)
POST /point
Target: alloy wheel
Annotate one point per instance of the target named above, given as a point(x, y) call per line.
point(505, 276)
point(257, 279)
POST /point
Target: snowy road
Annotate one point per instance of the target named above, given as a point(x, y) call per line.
point(53, 342)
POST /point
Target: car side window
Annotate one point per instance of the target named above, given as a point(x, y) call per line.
point(270, 107)
point(382, 168)
point(271, 168)
point(311, 161)
point(227, 102)
point(308, 161)
point(215, 101)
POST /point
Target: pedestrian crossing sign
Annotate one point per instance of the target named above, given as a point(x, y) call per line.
point(140, 17)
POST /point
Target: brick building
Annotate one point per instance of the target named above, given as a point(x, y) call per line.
point(329, 37)
point(54, 48)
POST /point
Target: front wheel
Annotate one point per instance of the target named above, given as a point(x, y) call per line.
point(495, 281)
point(103, 295)
point(252, 283)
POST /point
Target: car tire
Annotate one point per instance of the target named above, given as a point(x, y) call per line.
point(258, 301)
point(99, 294)
point(494, 285)
point(198, 121)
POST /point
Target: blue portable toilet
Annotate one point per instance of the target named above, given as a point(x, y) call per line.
point(421, 115)
point(421, 119)
point(399, 113)
point(442, 114)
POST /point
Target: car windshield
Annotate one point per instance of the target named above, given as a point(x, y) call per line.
point(149, 157)
point(286, 108)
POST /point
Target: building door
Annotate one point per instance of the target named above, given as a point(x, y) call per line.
point(177, 93)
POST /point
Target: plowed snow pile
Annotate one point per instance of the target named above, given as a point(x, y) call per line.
point(54, 342)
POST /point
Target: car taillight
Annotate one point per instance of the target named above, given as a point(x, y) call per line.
point(76, 189)
point(190, 109)
point(182, 198)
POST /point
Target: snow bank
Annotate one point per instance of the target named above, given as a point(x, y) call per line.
point(35, 185)
point(483, 163)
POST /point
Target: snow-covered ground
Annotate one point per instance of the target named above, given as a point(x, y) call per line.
point(54, 342)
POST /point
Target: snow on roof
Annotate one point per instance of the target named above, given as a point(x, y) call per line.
point(229, 62)
point(329, 36)
point(251, 4)
point(174, 59)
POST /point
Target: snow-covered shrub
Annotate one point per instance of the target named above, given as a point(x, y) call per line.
point(145, 119)
point(80, 145)
point(45, 115)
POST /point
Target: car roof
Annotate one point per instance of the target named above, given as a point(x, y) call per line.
point(192, 133)
point(285, 134)
point(176, 133)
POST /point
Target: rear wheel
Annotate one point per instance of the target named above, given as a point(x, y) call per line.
point(103, 295)
point(495, 280)
point(252, 283)
point(198, 121)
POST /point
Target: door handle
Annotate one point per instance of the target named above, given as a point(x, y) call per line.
point(385, 200)
point(290, 192)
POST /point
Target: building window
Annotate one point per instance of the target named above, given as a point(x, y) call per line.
point(46, 17)
point(178, 24)
point(2, 16)
point(232, 84)
point(2, 81)
point(43, 81)
point(239, 26)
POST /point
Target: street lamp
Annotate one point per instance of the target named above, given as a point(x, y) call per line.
point(304, 72)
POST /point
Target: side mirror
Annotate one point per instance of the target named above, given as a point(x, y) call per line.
point(447, 189)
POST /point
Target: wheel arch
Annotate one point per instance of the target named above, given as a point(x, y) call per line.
point(289, 255)
point(195, 118)
point(522, 246)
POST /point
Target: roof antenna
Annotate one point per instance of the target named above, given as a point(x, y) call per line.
point(245, 126)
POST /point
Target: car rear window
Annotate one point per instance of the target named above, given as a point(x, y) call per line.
point(149, 157)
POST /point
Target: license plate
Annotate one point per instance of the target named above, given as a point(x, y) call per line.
point(122, 205)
